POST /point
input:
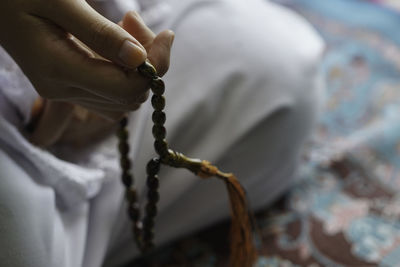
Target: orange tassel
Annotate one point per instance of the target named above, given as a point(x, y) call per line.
point(243, 251)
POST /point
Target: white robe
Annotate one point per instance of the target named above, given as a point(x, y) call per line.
point(243, 91)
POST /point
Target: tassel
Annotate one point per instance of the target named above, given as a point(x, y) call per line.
point(243, 252)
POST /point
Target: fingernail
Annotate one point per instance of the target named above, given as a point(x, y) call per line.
point(172, 38)
point(131, 54)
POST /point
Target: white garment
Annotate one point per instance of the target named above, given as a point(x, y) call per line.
point(239, 93)
point(73, 183)
point(153, 12)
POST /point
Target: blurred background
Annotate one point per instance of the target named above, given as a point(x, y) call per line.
point(345, 210)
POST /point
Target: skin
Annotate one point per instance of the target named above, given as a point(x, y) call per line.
point(71, 55)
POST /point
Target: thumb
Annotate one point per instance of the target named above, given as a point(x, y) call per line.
point(160, 51)
point(101, 35)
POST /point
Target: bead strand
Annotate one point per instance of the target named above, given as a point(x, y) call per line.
point(143, 230)
point(158, 102)
point(128, 180)
point(152, 169)
point(161, 147)
point(243, 252)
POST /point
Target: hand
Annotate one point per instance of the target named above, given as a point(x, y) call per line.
point(61, 123)
point(42, 37)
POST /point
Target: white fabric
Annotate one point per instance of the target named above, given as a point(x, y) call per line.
point(16, 94)
point(73, 183)
point(239, 93)
point(153, 12)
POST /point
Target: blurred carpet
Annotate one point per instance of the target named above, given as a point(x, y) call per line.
point(345, 210)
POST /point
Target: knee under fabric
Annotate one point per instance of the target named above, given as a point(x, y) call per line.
point(287, 72)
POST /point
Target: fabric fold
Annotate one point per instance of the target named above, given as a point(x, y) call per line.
point(72, 183)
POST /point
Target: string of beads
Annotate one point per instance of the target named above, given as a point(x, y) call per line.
point(242, 248)
point(143, 230)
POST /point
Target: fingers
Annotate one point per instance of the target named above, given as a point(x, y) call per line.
point(101, 35)
point(109, 115)
point(158, 47)
point(160, 51)
point(134, 25)
point(106, 107)
point(81, 97)
point(128, 87)
point(103, 79)
point(64, 64)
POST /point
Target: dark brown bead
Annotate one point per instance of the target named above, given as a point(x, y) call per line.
point(123, 122)
point(127, 179)
point(131, 195)
point(153, 167)
point(123, 148)
point(148, 223)
point(159, 117)
point(134, 212)
point(161, 147)
point(158, 102)
point(125, 163)
point(157, 86)
point(153, 196)
point(148, 235)
point(147, 70)
point(122, 134)
point(151, 209)
point(153, 182)
point(159, 132)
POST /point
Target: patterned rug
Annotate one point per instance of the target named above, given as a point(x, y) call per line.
point(345, 210)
